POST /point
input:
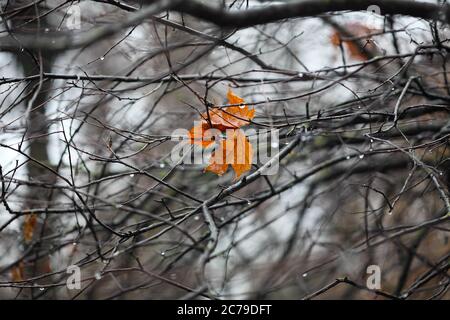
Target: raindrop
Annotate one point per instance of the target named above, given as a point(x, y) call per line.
point(22, 50)
point(98, 276)
point(274, 145)
point(441, 173)
point(305, 275)
point(361, 156)
point(347, 157)
point(41, 289)
point(46, 30)
point(300, 75)
point(115, 254)
point(102, 58)
point(162, 165)
point(371, 140)
point(105, 261)
point(132, 175)
point(242, 106)
point(249, 202)
point(163, 253)
point(74, 244)
point(196, 218)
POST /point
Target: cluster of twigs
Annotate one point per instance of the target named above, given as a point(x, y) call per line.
point(87, 119)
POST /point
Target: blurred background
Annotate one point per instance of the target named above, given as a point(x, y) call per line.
point(91, 93)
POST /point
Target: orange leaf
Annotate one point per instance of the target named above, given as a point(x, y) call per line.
point(201, 135)
point(335, 39)
point(28, 226)
point(17, 272)
point(356, 30)
point(230, 117)
point(236, 151)
point(47, 268)
point(234, 99)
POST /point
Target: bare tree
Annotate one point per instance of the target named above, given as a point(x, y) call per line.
point(353, 94)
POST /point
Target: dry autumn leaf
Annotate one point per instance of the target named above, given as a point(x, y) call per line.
point(236, 151)
point(47, 268)
point(232, 117)
point(17, 272)
point(202, 135)
point(28, 226)
point(354, 50)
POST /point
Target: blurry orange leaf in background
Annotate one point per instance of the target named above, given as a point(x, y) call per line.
point(357, 30)
point(17, 272)
point(29, 226)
